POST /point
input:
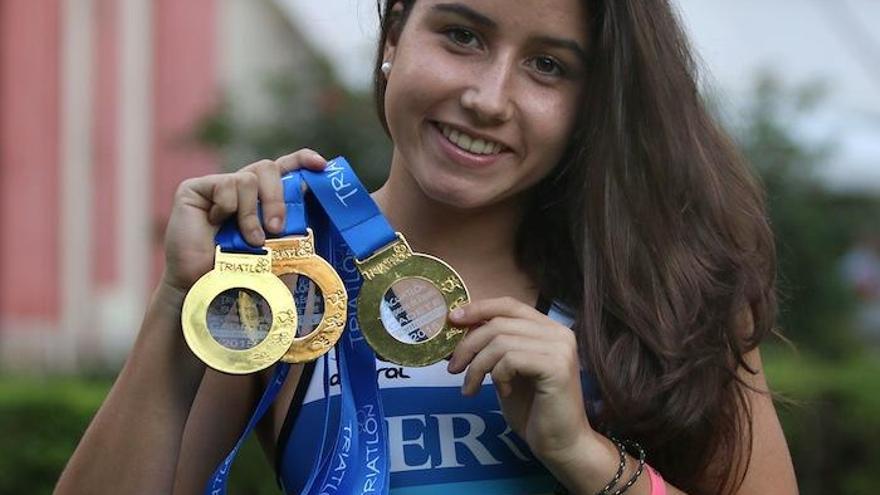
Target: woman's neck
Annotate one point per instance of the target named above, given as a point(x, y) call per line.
point(479, 243)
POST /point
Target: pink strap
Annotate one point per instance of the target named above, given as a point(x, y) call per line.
point(658, 486)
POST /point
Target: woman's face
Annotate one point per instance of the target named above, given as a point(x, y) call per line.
point(482, 94)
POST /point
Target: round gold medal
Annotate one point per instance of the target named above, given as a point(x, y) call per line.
point(404, 303)
point(239, 318)
point(296, 255)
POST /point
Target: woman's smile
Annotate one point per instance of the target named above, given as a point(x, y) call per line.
point(466, 148)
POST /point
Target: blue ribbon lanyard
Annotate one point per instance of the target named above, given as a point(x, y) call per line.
point(229, 238)
point(358, 460)
point(352, 211)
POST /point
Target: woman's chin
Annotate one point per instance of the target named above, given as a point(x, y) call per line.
point(457, 196)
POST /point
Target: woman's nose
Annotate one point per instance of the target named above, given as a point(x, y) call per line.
point(489, 96)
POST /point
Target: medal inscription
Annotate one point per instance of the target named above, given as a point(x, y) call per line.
point(386, 261)
point(240, 319)
point(413, 310)
point(261, 265)
point(296, 249)
point(450, 284)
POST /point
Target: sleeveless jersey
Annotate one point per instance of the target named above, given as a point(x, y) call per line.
point(439, 441)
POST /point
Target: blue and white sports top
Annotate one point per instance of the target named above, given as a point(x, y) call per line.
point(439, 441)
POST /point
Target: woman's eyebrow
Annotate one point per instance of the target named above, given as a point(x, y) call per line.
point(565, 44)
point(467, 12)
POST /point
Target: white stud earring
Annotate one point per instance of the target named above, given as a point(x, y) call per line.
point(386, 68)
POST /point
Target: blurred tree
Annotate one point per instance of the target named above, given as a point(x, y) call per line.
point(814, 226)
point(312, 111)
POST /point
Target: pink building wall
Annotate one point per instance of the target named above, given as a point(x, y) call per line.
point(106, 142)
point(29, 158)
point(184, 84)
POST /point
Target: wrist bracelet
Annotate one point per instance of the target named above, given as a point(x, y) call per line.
point(641, 453)
point(620, 468)
point(622, 450)
point(658, 486)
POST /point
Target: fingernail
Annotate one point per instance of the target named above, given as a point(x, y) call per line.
point(452, 366)
point(257, 234)
point(457, 314)
point(275, 224)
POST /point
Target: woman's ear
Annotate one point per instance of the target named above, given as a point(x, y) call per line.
point(396, 20)
point(388, 54)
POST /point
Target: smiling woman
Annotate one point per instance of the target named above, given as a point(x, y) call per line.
point(615, 246)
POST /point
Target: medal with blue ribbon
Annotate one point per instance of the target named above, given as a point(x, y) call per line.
point(239, 318)
point(295, 254)
point(403, 304)
point(356, 459)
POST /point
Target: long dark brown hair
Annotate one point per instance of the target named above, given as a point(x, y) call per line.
point(655, 234)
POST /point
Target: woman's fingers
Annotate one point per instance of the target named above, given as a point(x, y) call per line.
point(261, 182)
point(488, 359)
point(269, 193)
point(544, 330)
point(512, 364)
point(222, 193)
point(475, 340)
point(248, 221)
point(479, 311)
point(304, 158)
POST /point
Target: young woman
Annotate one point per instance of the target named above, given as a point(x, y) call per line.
point(549, 150)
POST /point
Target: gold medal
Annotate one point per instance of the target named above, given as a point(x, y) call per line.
point(296, 255)
point(404, 302)
point(239, 318)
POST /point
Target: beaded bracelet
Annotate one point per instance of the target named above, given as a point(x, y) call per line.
point(621, 449)
point(620, 468)
point(641, 452)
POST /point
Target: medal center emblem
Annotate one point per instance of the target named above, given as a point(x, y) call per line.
point(413, 310)
point(239, 318)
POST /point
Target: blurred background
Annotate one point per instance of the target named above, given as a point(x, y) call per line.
point(106, 105)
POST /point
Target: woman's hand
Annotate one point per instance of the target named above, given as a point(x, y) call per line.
point(534, 364)
point(202, 204)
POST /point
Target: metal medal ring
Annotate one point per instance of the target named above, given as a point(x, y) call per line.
point(389, 266)
point(230, 272)
point(296, 255)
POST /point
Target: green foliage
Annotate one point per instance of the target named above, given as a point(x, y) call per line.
point(42, 421)
point(813, 226)
point(831, 420)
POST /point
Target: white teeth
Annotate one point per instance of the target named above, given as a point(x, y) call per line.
point(469, 143)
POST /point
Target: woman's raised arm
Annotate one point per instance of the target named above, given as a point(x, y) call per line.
point(133, 444)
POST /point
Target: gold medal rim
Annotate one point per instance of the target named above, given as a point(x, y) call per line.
point(238, 362)
point(320, 340)
point(434, 271)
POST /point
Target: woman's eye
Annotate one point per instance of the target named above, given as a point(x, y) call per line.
point(463, 37)
point(547, 66)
